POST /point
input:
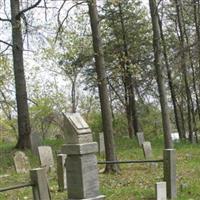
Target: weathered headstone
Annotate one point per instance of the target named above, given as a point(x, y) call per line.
point(101, 144)
point(81, 162)
point(61, 172)
point(36, 141)
point(21, 162)
point(147, 150)
point(140, 138)
point(161, 191)
point(175, 137)
point(76, 130)
point(46, 157)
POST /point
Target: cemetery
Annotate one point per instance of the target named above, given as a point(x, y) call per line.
point(99, 100)
point(75, 172)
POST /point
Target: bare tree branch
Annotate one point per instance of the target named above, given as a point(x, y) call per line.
point(5, 20)
point(61, 24)
point(4, 42)
point(29, 8)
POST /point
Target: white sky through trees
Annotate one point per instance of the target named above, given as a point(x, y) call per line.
point(41, 25)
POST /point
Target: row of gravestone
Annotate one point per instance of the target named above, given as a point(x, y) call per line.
point(22, 164)
point(146, 146)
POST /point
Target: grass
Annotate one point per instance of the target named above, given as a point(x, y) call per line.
point(134, 182)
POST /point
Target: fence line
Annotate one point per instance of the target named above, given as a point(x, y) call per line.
point(16, 187)
point(129, 161)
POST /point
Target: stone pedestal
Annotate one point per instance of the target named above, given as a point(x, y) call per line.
point(81, 162)
point(82, 173)
point(170, 172)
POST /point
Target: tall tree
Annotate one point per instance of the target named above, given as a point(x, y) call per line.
point(24, 129)
point(103, 90)
point(159, 73)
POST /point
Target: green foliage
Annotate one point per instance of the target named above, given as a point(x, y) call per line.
point(95, 122)
point(136, 181)
point(120, 124)
point(43, 117)
point(150, 120)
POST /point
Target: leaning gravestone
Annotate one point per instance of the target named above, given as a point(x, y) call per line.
point(81, 162)
point(61, 172)
point(161, 191)
point(21, 162)
point(36, 141)
point(140, 138)
point(147, 150)
point(46, 157)
point(101, 144)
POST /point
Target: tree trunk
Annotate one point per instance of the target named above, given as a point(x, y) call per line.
point(159, 74)
point(129, 81)
point(24, 129)
point(183, 64)
point(103, 91)
point(170, 82)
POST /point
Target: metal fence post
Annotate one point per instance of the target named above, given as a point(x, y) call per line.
point(40, 184)
point(170, 172)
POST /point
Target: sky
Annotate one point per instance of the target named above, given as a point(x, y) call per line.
point(39, 32)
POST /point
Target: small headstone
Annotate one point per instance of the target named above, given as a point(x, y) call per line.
point(140, 138)
point(61, 172)
point(101, 144)
point(147, 150)
point(161, 191)
point(21, 162)
point(36, 141)
point(175, 137)
point(46, 157)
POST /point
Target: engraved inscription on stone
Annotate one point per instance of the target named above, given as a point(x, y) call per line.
point(76, 130)
point(147, 150)
point(21, 162)
point(46, 156)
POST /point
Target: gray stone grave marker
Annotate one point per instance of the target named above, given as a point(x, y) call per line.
point(36, 141)
point(76, 130)
point(101, 144)
point(46, 157)
point(161, 191)
point(61, 172)
point(147, 150)
point(81, 162)
point(21, 162)
point(140, 138)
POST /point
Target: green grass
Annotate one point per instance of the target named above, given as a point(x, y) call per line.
point(134, 182)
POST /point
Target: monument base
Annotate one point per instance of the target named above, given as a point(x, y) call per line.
point(100, 197)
